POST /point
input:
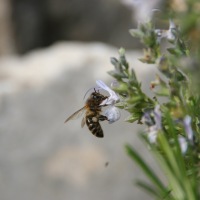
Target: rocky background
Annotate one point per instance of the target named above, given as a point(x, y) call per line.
point(31, 24)
point(41, 157)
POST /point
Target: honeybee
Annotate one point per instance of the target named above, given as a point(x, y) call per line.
point(92, 115)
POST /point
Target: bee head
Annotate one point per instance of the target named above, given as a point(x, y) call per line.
point(96, 96)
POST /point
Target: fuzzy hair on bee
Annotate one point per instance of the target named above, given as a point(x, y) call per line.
point(92, 116)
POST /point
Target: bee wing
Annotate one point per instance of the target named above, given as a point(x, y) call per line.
point(83, 122)
point(76, 115)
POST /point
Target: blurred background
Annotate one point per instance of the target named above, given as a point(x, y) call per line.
point(32, 24)
point(51, 53)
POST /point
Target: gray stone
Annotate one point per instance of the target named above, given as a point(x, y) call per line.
point(41, 157)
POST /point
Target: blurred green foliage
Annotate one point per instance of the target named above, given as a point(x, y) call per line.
point(173, 127)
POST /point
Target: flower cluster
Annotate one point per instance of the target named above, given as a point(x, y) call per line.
point(153, 120)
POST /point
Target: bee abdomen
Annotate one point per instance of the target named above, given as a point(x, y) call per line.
point(94, 126)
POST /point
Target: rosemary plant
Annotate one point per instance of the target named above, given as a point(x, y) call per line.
point(173, 127)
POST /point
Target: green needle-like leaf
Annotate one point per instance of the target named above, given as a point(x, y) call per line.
point(147, 170)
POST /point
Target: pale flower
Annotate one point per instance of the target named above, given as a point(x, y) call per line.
point(143, 10)
point(183, 141)
point(183, 144)
point(152, 135)
point(112, 99)
point(112, 113)
point(153, 121)
point(188, 129)
point(157, 114)
point(169, 34)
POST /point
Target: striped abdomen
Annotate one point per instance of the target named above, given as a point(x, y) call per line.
point(94, 126)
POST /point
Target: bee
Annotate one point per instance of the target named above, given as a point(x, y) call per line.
point(92, 110)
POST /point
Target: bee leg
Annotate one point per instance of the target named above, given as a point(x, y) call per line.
point(103, 118)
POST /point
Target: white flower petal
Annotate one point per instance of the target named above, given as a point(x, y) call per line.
point(171, 24)
point(113, 114)
point(188, 129)
point(112, 99)
point(152, 136)
point(102, 85)
point(170, 34)
point(183, 144)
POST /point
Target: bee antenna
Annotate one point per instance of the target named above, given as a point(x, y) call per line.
point(95, 89)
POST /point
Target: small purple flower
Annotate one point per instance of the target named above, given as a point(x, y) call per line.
point(183, 141)
point(157, 114)
point(153, 121)
point(183, 144)
point(152, 135)
point(188, 129)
